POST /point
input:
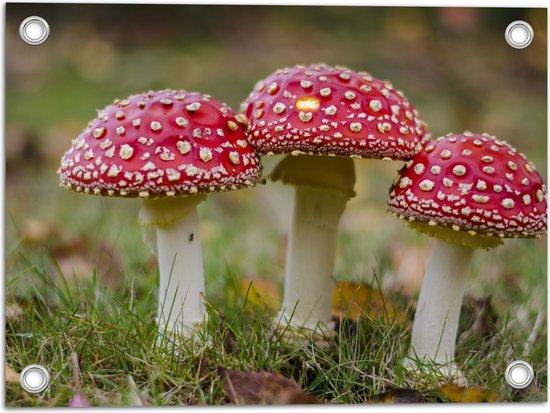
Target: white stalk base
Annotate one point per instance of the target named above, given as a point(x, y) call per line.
point(181, 276)
point(310, 258)
point(438, 310)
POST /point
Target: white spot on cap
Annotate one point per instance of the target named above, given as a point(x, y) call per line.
point(426, 185)
point(234, 157)
point(482, 199)
point(419, 168)
point(446, 154)
point(149, 166)
point(375, 105)
point(120, 130)
point(119, 115)
point(205, 154)
point(466, 211)
point(325, 92)
point(331, 110)
point(113, 171)
point(526, 199)
point(181, 122)
point(349, 95)
point(404, 182)
point(272, 88)
point(481, 185)
point(126, 151)
point(459, 170)
point(156, 126)
point(355, 126)
point(508, 203)
point(305, 116)
point(184, 147)
point(172, 174)
point(488, 169)
point(447, 182)
point(306, 84)
point(166, 102)
point(539, 195)
point(487, 159)
point(497, 188)
point(344, 76)
point(193, 107)
point(384, 127)
point(232, 125)
point(279, 107)
point(258, 114)
point(436, 170)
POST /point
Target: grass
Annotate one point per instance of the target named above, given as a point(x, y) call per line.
point(122, 362)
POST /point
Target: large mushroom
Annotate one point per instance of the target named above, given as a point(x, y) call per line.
point(469, 191)
point(341, 114)
point(169, 148)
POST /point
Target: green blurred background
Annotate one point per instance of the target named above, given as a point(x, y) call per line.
point(452, 63)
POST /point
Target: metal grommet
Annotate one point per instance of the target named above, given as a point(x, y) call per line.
point(34, 379)
point(519, 374)
point(519, 34)
point(34, 30)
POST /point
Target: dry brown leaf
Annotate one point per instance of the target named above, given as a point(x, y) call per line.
point(398, 395)
point(469, 394)
point(11, 375)
point(261, 292)
point(353, 300)
point(263, 387)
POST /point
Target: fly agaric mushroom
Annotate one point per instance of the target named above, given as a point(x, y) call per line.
point(170, 148)
point(469, 191)
point(339, 113)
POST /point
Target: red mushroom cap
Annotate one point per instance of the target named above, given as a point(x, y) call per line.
point(321, 110)
point(474, 183)
point(164, 143)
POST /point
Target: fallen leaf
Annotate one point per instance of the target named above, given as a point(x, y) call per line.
point(467, 394)
point(11, 375)
point(263, 388)
point(398, 395)
point(261, 292)
point(354, 300)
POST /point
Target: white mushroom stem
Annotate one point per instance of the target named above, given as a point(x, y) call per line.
point(438, 309)
point(310, 257)
point(323, 187)
point(181, 269)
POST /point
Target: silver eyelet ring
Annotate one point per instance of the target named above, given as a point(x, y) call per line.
point(34, 30)
point(34, 379)
point(519, 34)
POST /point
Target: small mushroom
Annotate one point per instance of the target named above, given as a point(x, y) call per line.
point(340, 114)
point(469, 191)
point(169, 148)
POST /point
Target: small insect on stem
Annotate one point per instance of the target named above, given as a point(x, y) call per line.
point(191, 236)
